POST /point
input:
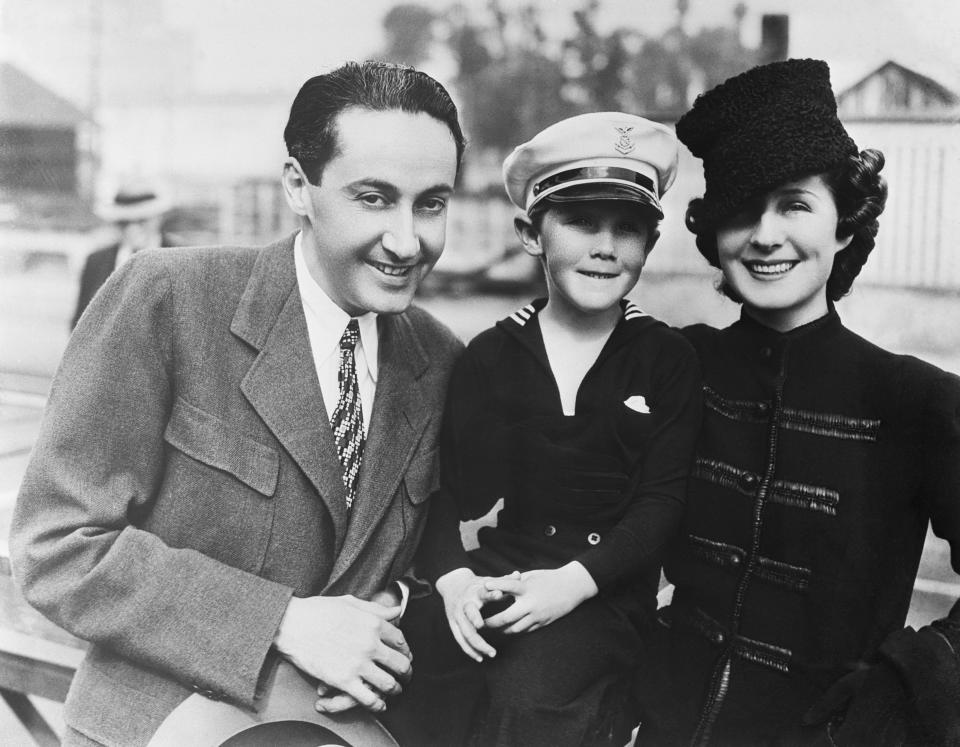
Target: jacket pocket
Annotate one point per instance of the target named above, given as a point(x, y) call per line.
point(212, 441)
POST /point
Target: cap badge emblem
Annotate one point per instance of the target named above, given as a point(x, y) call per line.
point(625, 142)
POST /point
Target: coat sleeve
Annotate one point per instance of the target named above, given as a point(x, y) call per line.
point(95, 471)
point(658, 481)
point(911, 693)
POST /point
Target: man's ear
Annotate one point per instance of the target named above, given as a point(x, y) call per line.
point(528, 235)
point(295, 185)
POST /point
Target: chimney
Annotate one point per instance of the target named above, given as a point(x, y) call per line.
point(774, 37)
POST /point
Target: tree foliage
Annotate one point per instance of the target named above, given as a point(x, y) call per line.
point(513, 79)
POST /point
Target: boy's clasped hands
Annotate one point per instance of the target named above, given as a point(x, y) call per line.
point(514, 603)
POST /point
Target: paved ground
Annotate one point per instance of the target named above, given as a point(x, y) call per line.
point(35, 305)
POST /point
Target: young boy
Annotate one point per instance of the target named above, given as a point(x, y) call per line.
point(579, 411)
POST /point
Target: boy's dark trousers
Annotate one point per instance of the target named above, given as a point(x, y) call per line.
point(568, 683)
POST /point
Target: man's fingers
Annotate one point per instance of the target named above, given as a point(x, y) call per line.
point(361, 692)
point(336, 703)
point(392, 661)
point(393, 637)
point(380, 680)
point(386, 613)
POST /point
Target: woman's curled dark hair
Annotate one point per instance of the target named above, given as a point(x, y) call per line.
point(860, 194)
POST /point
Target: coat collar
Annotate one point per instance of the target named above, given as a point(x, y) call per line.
point(524, 326)
point(396, 427)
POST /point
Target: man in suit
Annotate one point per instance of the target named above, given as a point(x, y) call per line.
point(137, 212)
point(240, 443)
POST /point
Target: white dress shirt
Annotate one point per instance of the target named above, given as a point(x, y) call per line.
point(326, 323)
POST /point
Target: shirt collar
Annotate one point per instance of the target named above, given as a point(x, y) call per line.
point(328, 321)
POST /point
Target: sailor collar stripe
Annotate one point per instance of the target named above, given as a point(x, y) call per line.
point(521, 316)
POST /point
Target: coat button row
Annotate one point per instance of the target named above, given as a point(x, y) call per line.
point(593, 538)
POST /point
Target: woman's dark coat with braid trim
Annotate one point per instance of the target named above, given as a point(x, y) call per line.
point(821, 461)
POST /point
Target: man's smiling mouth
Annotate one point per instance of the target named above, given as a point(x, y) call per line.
point(392, 270)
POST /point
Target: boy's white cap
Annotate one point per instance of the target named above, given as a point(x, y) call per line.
point(598, 156)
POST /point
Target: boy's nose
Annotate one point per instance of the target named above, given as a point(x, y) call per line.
point(604, 246)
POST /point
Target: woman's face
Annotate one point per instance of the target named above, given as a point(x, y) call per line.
point(777, 252)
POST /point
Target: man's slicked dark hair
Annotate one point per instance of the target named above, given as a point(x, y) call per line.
point(311, 131)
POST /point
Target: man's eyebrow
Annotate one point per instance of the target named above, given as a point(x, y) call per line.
point(442, 188)
point(391, 189)
point(372, 183)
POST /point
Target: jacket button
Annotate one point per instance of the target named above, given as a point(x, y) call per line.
point(593, 538)
point(719, 638)
point(734, 559)
point(763, 408)
point(748, 480)
point(766, 352)
point(550, 530)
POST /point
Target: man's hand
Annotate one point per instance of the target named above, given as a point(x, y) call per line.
point(464, 594)
point(332, 700)
point(542, 596)
point(348, 644)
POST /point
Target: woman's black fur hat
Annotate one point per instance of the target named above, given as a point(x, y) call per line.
point(769, 125)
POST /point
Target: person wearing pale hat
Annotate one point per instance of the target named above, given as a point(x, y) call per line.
point(821, 461)
point(580, 411)
point(137, 211)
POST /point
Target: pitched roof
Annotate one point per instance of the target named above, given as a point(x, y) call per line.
point(26, 103)
point(937, 89)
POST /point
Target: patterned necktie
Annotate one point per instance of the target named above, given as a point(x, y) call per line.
point(347, 420)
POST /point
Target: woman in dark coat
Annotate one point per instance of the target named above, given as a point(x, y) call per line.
point(821, 460)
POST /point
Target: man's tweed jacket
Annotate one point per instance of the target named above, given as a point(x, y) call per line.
point(185, 482)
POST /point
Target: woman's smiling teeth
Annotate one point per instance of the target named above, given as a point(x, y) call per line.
point(770, 268)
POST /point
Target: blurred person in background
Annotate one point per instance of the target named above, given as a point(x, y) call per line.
point(137, 212)
point(581, 412)
point(821, 460)
point(240, 443)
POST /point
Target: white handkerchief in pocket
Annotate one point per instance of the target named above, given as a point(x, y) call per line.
point(637, 403)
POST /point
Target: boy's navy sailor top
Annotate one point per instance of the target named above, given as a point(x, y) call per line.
point(605, 486)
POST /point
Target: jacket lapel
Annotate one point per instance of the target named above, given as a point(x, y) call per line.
point(282, 384)
point(397, 424)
